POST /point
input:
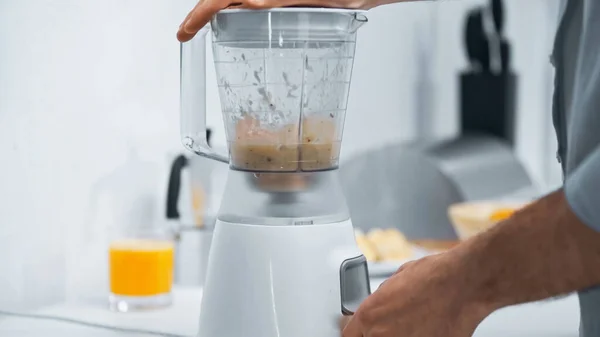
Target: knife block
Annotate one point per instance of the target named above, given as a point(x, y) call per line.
point(487, 104)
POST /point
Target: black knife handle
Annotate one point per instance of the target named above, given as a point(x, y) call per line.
point(476, 41)
point(498, 16)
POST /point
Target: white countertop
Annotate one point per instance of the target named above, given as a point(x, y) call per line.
point(558, 318)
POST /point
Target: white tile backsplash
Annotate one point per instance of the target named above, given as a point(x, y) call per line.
point(81, 81)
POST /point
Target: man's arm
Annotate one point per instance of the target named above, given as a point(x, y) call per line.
point(551, 247)
point(543, 251)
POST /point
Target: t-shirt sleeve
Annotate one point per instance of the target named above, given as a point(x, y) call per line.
point(582, 190)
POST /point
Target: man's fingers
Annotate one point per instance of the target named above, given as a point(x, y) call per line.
point(199, 17)
point(305, 3)
point(181, 34)
point(206, 9)
point(343, 322)
point(399, 270)
point(266, 4)
point(187, 17)
point(353, 328)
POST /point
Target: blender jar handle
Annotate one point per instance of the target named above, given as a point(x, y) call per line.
point(193, 97)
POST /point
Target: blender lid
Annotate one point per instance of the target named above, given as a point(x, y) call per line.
point(277, 26)
point(295, 9)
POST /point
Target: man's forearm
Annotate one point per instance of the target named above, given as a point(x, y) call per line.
point(542, 251)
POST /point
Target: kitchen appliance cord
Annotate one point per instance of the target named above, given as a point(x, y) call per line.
point(88, 324)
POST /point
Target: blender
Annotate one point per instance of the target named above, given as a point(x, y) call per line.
point(283, 259)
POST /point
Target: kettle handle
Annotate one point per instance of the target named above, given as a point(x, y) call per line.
point(174, 186)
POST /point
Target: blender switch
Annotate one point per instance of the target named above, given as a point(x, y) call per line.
point(354, 283)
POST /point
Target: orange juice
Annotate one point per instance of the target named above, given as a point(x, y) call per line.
point(141, 267)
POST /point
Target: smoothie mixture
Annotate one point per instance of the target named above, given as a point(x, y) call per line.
point(286, 149)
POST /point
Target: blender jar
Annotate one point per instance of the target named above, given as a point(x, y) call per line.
point(283, 77)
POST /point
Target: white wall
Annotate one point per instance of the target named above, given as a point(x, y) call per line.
point(77, 76)
point(74, 76)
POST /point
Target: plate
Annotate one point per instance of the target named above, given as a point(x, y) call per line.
point(387, 268)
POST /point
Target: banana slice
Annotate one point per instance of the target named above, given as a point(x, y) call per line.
point(366, 246)
point(390, 244)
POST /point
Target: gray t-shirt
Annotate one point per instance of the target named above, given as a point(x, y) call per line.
point(576, 118)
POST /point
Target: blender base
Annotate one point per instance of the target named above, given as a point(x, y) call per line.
point(272, 281)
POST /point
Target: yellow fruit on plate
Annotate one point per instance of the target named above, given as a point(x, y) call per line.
point(472, 218)
point(380, 245)
point(366, 247)
point(502, 214)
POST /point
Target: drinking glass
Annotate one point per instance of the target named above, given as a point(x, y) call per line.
point(140, 269)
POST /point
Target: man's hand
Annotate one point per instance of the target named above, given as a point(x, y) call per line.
point(425, 298)
point(206, 9)
point(542, 251)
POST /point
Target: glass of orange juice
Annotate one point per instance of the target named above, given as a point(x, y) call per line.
point(141, 270)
